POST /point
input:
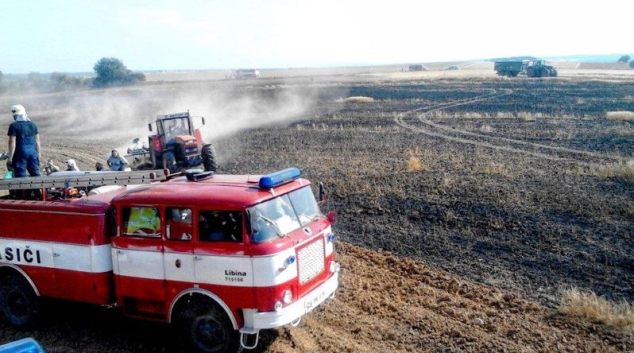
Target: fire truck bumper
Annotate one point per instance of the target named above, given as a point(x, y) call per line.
point(255, 320)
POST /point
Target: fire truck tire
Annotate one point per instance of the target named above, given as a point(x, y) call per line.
point(18, 302)
point(207, 328)
point(209, 158)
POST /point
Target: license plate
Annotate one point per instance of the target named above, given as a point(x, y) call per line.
point(313, 300)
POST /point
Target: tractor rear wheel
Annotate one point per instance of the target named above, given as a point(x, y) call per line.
point(19, 304)
point(209, 158)
point(530, 72)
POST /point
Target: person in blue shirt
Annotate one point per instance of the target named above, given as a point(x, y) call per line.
point(118, 163)
point(24, 144)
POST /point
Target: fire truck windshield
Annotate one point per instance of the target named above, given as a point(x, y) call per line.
point(282, 215)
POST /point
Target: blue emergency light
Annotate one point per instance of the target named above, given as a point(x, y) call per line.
point(272, 180)
point(25, 345)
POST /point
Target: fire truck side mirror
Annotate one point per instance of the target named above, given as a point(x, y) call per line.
point(203, 119)
point(323, 195)
point(149, 126)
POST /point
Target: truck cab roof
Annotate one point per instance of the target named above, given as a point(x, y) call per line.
point(219, 191)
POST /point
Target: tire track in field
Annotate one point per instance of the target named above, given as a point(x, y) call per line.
point(431, 128)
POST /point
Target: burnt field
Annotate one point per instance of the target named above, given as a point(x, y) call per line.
point(464, 206)
point(519, 184)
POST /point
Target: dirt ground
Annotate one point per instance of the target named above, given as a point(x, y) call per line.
point(465, 204)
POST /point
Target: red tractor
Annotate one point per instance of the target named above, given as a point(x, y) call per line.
point(176, 146)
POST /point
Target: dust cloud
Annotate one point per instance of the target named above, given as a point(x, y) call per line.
point(121, 115)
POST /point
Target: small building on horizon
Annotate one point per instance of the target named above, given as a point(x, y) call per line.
point(246, 73)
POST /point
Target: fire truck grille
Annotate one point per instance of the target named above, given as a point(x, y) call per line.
point(311, 261)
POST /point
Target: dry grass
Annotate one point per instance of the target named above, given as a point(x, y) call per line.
point(486, 128)
point(419, 160)
point(597, 309)
point(620, 115)
point(359, 99)
point(496, 168)
point(618, 171)
point(414, 165)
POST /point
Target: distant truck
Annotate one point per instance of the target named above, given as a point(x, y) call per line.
point(247, 73)
point(513, 68)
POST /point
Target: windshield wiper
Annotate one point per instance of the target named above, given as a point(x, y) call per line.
point(275, 227)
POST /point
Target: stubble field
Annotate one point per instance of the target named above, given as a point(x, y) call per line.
point(465, 205)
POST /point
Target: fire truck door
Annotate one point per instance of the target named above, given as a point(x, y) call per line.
point(138, 262)
point(178, 259)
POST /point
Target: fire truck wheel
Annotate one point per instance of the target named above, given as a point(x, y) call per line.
point(207, 328)
point(209, 158)
point(18, 302)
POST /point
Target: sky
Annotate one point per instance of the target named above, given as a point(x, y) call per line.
point(72, 35)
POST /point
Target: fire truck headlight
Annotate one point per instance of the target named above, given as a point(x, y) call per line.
point(289, 261)
point(334, 267)
point(331, 238)
point(278, 306)
point(288, 296)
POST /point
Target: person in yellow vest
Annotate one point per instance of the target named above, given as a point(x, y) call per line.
point(144, 221)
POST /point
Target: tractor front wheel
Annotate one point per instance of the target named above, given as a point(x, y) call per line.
point(169, 161)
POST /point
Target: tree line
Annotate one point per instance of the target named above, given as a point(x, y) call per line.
point(626, 59)
point(109, 72)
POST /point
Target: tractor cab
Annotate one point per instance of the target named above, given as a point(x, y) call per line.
point(171, 128)
point(178, 143)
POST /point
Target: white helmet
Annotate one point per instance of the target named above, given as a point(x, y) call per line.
point(18, 109)
point(71, 163)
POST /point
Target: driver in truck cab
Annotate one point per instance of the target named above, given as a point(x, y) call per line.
point(271, 218)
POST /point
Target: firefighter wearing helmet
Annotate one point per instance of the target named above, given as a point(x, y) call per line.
point(24, 144)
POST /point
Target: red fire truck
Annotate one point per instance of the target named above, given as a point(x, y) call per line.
point(219, 256)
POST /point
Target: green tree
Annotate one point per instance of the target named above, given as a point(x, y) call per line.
point(624, 59)
point(62, 81)
point(1, 76)
point(632, 64)
point(112, 72)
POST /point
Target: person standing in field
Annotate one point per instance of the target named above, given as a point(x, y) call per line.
point(71, 166)
point(24, 144)
point(118, 163)
point(51, 167)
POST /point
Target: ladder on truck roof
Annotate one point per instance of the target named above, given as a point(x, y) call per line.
point(83, 179)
